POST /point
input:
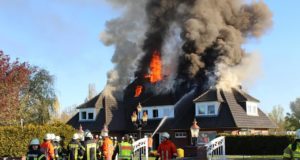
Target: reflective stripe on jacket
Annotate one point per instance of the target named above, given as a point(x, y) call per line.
point(125, 150)
point(90, 150)
point(75, 150)
point(57, 151)
point(290, 154)
point(35, 155)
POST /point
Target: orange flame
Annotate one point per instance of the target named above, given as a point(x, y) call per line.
point(138, 90)
point(155, 67)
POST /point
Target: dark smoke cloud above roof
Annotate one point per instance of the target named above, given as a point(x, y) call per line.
point(199, 40)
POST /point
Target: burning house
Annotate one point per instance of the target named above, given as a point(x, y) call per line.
point(183, 60)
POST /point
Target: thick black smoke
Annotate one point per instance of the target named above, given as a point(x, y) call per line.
point(199, 40)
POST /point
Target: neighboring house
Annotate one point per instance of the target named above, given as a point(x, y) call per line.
point(215, 110)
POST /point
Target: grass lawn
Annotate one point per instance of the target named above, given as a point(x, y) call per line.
point(254, 157)
point(240, 157)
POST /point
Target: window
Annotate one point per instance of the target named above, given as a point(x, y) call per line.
point(83, 115)
point(87, 114)
point(211, 109)
point(91, 116)
point(251, 108)
point(207, 108)
point(180, 134)
point(201, 109)
point(155, 113)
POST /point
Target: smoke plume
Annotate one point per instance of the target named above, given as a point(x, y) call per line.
point(199, 40)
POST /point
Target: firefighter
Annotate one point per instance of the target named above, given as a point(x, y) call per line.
point(47, 147)
point(34, 152)
point(57, 148)
point(115, 141)
point(125, 149)
point(107, 147)
point(90, 147)
point(75, 149)
point(292, 151)
point(99, 147)
point(167, 149)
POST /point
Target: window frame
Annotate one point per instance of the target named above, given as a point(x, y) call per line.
point(83, 113)
point(180, 135)
point(204, 106)
point(157, 113)
point(87, 112)
point(252, 108)
point(88, 117)
point(167, 110)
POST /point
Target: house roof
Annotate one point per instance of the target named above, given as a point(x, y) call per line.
point(159, 100)
point(239, 114)
point(209, 95)
point(90, 103)
point(108, 111)
point(242, 96)
point(232, 113)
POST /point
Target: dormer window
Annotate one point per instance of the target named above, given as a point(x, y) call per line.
point(87, 114)
point(251, 108)
point(207, 108)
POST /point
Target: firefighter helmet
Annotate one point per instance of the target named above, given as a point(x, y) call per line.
point(48, 136)
point(57, 139)
point(35, 142)
point(165, 135)
point(75, 136)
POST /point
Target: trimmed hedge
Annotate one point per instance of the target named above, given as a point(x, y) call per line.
point(257, 145)
point(14, 140)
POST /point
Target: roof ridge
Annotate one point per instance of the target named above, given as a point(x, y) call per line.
point(245, 95)
point(201, 95)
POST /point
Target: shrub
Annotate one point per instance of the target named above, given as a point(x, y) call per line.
point(14, 140)
point(257, 144)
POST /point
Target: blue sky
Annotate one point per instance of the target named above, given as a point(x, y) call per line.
point(62, 36)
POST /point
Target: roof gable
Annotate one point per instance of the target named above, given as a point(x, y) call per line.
point(209, 95)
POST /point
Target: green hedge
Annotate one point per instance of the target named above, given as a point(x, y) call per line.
point(257, 145)
point(14, 140)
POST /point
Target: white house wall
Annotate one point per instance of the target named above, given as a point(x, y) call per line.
point(166, 110)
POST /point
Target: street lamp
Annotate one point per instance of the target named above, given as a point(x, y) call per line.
point(139, 121)
point(194, 132)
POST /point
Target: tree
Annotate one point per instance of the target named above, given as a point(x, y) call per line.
point(277, 117)
point(68, 113)
point(14, 76)
point(293, 118)
point(38, 98)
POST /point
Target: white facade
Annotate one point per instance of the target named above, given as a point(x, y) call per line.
point(158, 112)
point(207, 108)
point(251, 108)
point(87, 114)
